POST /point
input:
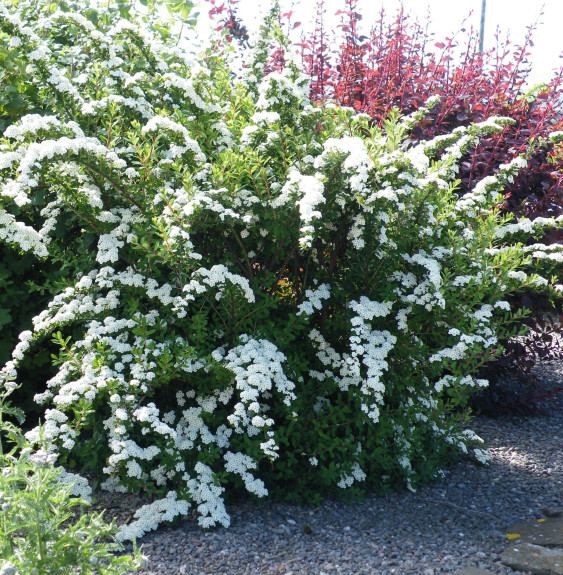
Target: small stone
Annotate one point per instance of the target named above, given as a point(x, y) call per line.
point(473, 571)
point(539, 560)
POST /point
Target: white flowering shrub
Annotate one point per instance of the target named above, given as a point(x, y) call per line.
point(263, 295)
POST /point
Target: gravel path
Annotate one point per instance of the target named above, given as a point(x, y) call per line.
point(442, 528)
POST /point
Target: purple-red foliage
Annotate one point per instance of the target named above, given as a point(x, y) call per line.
point(400, 65)
point(225, 14)
point(349, 80)
point(315, 54)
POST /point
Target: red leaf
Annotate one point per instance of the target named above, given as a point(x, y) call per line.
point(440, 45)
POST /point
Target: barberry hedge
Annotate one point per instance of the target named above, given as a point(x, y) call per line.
point(259, 293)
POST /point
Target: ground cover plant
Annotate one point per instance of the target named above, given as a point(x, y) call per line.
point(44, 529)
point(259, 293)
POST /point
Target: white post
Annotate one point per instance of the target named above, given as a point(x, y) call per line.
point(482, 31)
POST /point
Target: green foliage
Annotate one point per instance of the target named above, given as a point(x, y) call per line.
point(43, 527)
point(255, 291)
point(39, 530)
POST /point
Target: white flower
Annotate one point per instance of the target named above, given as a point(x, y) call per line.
point(42, 459)
point(148, 517)
point(314, 299)
point(157, 123)
point(482, 456)
point(8, 568)
point(520, 276)
point(79, 485)
point(347, 480)
point(240, 464)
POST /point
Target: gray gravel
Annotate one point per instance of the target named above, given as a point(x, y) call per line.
point(459, 522)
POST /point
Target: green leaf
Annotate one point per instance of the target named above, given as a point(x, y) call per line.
point(5, 316)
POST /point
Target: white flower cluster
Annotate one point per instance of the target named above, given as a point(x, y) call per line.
point(139, 105)
point(49, 150)
point(356, 163)
point(150, 516)
point(347, 480)
point(428, 293)
point(370, 348)
point(314, 300)
point(528, 226)
point(467, 380)
point(25, 237)
point(466, 345)
point(311, 192)
point(79, 485)
point(186, 87)
point(207, 494)
point(257, 366)
point(39, 458)
point(482, 456)
point(240, 463)
point(218, 275)
point(278, 88)
point(32, 124)
point(161, 123)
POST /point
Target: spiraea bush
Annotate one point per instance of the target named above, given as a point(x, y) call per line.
point(262, 294)
point(396, 62)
